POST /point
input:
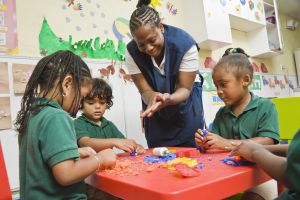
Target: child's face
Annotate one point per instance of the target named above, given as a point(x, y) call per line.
point(150, 40)
point(230, 89)
point(68, 100)
point(94, 109)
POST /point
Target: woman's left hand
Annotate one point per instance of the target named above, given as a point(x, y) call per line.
point(158, 102)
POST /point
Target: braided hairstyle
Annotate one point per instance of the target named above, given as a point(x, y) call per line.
point(234, 50)
point(48, 75)
point(238, 63)
point(143, 15)
point(102, 90)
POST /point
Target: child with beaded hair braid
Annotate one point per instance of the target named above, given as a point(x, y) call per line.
point(51, 165)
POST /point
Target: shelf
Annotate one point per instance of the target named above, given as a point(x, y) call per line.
point(242, 24)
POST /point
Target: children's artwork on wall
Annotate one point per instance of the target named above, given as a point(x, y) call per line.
point(8, 27)
point(255, 67)
point(256, 83)
point(92, 48)
point(5, 114)
point(208, 84)
point(171, 8)
point(209, 62)
point(21, 75)
point(106, 72)
point(263, 68)
point(121, 29)
point(4, 87)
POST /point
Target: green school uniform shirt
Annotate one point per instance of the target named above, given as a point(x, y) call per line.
point(259, 119)
point(86, 128)
point(49, 139)
point(293, 170)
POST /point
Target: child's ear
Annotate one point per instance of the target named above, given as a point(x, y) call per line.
point(67, 85)
point(246, 80)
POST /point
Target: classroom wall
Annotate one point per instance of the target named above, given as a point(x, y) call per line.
point(125, 112)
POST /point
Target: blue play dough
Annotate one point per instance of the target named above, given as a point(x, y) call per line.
point(155, 159)
point(231, 161)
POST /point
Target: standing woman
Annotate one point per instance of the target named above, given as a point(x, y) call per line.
point(163, 63)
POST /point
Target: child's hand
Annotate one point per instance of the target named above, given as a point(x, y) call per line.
point(140, 149)
point(86, 151)
point(127, 145)
point(245, 149)
point(199, 139)
point(215, 141)
point(107, 159)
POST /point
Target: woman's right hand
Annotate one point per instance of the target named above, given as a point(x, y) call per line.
point(107, 159)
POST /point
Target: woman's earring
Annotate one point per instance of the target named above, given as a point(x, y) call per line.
point(64, 94)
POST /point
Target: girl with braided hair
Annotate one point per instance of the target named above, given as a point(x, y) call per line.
point(51, 165)
point(163, 62)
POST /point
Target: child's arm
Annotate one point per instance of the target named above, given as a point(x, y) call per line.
point(99, 144)
point(278, 149)
point(72, 171)
point(274, 165)
point(212, 140)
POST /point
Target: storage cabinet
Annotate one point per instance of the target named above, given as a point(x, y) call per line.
point(210, 22)
point(266, 41)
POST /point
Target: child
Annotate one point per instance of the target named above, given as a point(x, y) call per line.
point(245, 115)
point(51, 165)
point(282, 162)
point(96, 131)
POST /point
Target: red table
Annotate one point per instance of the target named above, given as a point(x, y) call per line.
point(5, 193)
point(217, 180)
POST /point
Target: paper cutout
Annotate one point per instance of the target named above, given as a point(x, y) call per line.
point(50, 43)
point(121, 29)
point(4, 87)
point(8, 27)
point(21, 75)
point(5, 113)
point(171, 8)
point(251, 4)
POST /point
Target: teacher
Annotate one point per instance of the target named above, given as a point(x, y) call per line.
point(163, 62)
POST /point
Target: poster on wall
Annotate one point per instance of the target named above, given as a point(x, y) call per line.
point(4, 87)
point(8, 27)
point(5, 114)
point(21, 75)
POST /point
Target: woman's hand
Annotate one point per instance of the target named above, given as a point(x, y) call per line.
point(156, 102)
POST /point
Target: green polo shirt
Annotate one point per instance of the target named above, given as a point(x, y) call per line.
point(259, 119)
point(86, 128)
point(293, 170)
point(49, 139)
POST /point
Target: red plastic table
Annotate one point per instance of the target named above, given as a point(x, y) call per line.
point(5, 193)
point(217, 180)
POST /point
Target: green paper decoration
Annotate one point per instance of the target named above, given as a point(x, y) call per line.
point(50, 43)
